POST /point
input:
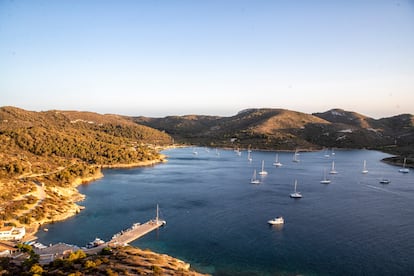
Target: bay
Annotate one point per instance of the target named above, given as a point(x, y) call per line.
point(217, 220)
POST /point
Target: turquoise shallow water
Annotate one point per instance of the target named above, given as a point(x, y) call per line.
point(216, 219)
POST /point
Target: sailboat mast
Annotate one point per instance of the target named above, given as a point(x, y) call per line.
point(156, 218)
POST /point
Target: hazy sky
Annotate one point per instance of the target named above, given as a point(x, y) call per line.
point(159, 58)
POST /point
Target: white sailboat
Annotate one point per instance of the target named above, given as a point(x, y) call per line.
point(157, 218)
point(263, 172)
point(325, 180)
point(277, 163)
point(404, 169)
point(254, 180)
point(249, 156)
point(333, 171)
point(364, 170)
point(296, 194)
point(296, 157)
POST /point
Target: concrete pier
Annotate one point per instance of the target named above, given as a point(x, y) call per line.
point(135, 232)
point(120, 239)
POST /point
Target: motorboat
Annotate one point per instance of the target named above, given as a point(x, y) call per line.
point(277, 220)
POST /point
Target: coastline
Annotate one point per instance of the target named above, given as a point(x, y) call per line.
point(73, 193)
point(150, 259)
point(397, 161)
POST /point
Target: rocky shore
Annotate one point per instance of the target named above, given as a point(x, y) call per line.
point(74, 196)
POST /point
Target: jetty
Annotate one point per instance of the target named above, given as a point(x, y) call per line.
point(121, 238)
point(136, 231)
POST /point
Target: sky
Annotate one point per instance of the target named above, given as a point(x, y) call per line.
point(213, 57)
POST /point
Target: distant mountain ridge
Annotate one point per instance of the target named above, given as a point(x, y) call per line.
point(260, 128)
point(281, 129)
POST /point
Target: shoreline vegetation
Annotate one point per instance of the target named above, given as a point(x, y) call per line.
point(76, 197)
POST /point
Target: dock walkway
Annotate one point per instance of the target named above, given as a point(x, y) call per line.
point(129, 235)
point(136, 232)
point(120, 239)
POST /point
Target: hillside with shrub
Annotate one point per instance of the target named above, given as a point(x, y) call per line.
point(281, 129)
point(44, 155)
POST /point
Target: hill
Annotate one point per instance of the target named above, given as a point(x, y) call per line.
point(45, 155)
point(280, 129)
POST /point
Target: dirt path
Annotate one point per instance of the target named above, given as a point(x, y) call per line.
point(40, 194)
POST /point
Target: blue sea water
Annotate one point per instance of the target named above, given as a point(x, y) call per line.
point(217, 220)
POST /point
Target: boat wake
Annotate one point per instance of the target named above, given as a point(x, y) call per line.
point(384, 190)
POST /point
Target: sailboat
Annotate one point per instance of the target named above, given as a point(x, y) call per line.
point(404, 169)
point(296, 194)
point(325, 180)
point(295, 156)
point(254, 180)
point(157, 218)
point(333, 171)
point(364, 170)
point(249, 156)
point(277, 163)
point(263, 172)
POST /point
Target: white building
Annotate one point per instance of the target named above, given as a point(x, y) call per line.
point(12, 233)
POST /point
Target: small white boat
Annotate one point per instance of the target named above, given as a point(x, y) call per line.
point(364, 169)
point(157, 218)
point(404, 169)
point(277, 163)
point(296, 194)
point(296, 157)
point(254, 180)
point(95, 243)
point(325, 180)
point(333, 171)
point(249, 156)
point(263, 172)
point(277, 220)
point(384, 181)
